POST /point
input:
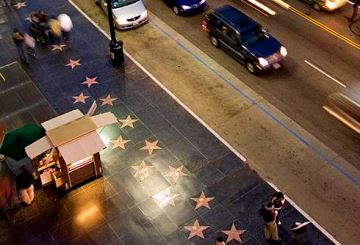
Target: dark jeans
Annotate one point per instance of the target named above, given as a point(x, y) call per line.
point(22, 53)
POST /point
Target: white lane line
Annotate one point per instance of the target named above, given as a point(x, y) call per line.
point(263, 7)
point(324, 73)
point(317, 225)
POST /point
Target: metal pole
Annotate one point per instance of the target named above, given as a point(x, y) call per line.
point(111, 21)
point(116, 47)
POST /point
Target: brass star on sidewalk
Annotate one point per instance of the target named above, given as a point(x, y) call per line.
point(165, 197)
point(90, 81)
point(196, 230)
point(141, 169)
point(20, 5)
point(108, 100)
point(175, 173)
point(127, 122)
point(80, 98)
point(233, 234)
point(202, 201)
point(151, 146)
point(119, 142)
point(73, 63)
point(57, 47)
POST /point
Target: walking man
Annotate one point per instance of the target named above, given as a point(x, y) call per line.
point(278, 200)
point(18, 39)
point(269, 215)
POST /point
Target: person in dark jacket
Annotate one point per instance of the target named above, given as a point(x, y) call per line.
point(18, 39)
point(25, 186)
point(269, 215)
point(278, 200)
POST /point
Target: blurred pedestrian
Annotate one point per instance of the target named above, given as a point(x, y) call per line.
point(268, 213)
point(25, 186)
point(355, 10)
point(278, 200)
point(54, 30)
point(18, 39)
point(38, 27)
point(6, 191)
point(220, 241)
point(66, 26)
point(29, 43)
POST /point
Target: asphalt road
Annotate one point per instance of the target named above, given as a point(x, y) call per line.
point(297, 89)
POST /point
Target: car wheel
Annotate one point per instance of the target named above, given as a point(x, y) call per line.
point(316, 6)
point(214, 41)
point(251, 67)
point(176, 10)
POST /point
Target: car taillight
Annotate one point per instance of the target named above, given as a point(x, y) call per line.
point(204, 25)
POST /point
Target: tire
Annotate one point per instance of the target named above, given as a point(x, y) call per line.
point(316, 6)
point(214, 41)
point(176, 10)
point(251, 67)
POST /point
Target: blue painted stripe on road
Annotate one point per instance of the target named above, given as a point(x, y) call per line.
point(317, 151)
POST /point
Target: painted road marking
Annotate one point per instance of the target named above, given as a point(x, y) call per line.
point(10, 64)
point(259, 10)
point(261, 6)
point(324, 73)
point(291, 132)
point(4, 66)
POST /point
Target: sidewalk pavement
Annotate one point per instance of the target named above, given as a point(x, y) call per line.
point(321, 182)
point(146, 193)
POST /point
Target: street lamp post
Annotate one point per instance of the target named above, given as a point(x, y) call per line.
point(116, 47)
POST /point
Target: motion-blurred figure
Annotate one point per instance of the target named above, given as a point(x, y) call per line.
point(66, 26)
point(25, 186)
point(18, 39)
point(6, 191)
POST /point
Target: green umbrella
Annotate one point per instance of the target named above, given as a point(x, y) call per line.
point(15, 141)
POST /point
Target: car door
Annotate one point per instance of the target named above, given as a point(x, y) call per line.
point(232, 44)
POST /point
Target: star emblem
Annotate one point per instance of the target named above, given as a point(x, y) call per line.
point(165, 197)
point(202, 201)
point(151, 146)
point(175, 173)
point(119, 142)
point(233, 234)
point(127, 122)
point(108, 100)
point(57, 47)
point(20, 5)
point(73, 63)
point(141, 169)
point(196, 230)
point(80, 98)
point(90, 81)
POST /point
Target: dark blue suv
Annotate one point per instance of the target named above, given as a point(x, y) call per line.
point(186, 6)
point(244, 39)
